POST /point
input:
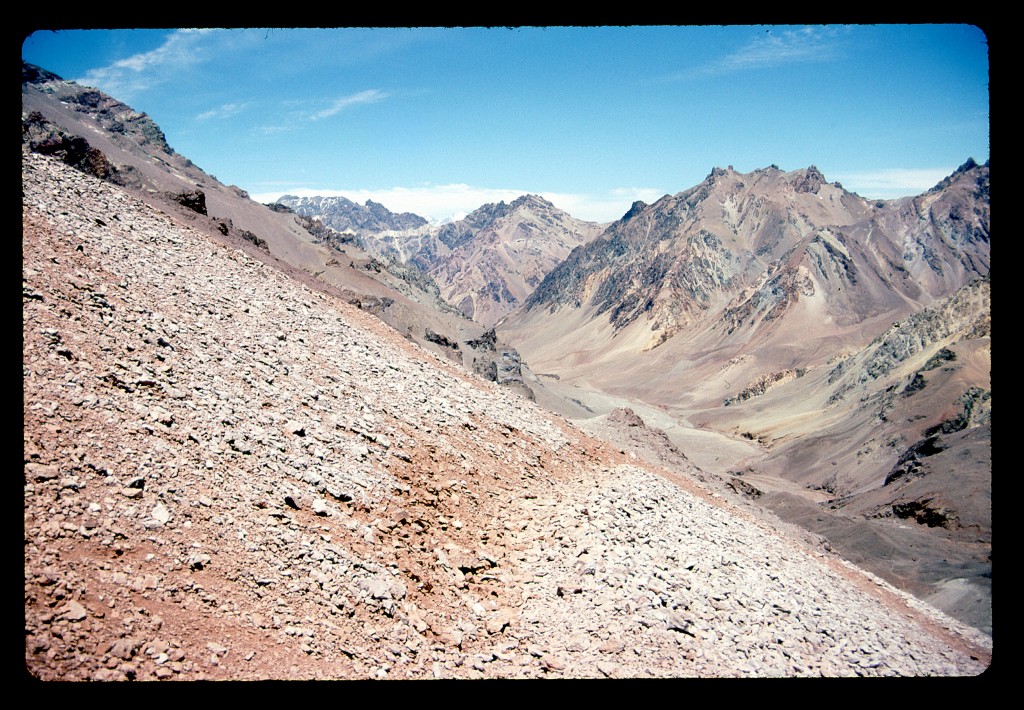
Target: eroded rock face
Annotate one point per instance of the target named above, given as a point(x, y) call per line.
point(442, 340)
point(485, 342)
point(926, 514)
point(909, 462)
point(45, 138)
point(111, 114)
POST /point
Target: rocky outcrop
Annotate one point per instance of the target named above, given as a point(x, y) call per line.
point(497, 362)
point(966, 312)
point(42, 136)
point(809, 181)
point(485, 342)
point(254, 239)
point(113, 116)
point(909, 462)
point(762, 385)
point(194, 200)
point(442, 340)
point(924, 513)
point(741, 487)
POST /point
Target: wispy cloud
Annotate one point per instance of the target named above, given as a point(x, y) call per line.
point(370, 96)
point(223, 111)
point(297, 111)
point(440, 203)
point(126, 78)
point(270, 130)
point(772, 48)
point(891, 183)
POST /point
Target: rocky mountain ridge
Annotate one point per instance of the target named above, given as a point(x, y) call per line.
point(124, 123)
point(744, 248)
point(484, 264)
point(344, 215)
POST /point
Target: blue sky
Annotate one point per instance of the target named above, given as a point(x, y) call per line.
point(439, 121)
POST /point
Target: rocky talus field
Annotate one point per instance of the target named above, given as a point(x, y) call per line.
point(229, 475)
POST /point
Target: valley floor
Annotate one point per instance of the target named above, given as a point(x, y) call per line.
point(931, 564)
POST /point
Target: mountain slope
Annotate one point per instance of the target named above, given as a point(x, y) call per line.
point(744, 260)
point(780, 317)
point(744, 277)
point(898, 435)
point(229, 474)
point(104, 137)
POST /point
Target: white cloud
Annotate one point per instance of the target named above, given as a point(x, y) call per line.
point(773, 47)
point(603, 207)
point(125, 78)
point(370, 96)
point(440, 203)
point(297, 110)
point(892, 183)
point(786, 47)
point(223, 111)
point(271, 130)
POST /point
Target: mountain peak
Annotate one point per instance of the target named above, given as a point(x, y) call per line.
point(530, 200)
point(635, 209)
point(970, 163)
point(969, 166)
point(342, 214)
point(809, 180)
point(31, 74)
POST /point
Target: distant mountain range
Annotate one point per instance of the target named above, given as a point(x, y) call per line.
point(484, 265)
point(344, 215)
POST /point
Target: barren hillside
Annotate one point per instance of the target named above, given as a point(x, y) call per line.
point(104, 137)
point(230, 475)
point(831, 351)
